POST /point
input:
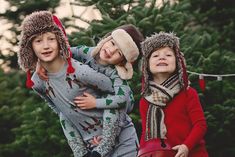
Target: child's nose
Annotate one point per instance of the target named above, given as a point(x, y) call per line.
point(45, 44)
point(113, 49)
point(162, 57)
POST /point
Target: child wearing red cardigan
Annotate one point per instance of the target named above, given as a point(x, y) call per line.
point(169, 108)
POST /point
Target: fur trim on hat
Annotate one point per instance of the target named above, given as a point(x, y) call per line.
point(125, 72)
point(158, 41)
point(33, 25)
point(155, 42)
point(126, 44)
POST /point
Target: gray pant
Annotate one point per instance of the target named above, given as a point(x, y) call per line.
point(127, 143)
point(73, 137)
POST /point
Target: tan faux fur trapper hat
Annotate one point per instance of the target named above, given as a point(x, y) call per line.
point(37, 23)
point(128, 39)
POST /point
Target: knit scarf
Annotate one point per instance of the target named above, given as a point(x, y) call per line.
point(158, 97)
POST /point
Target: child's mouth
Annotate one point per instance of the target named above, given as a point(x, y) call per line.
point(46, 53)
point(161, 64)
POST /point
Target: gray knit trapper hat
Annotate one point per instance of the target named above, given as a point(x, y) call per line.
point(155, 42)
point(37, 23)
point(128, 39)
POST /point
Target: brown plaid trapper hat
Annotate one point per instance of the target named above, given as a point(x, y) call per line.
point(37, 23)
point(157, 41)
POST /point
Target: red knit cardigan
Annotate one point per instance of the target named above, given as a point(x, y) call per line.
point(184, 120)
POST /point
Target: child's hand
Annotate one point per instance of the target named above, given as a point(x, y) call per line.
point(182, 150)
point(42, 73)
point(87, 101)
point(96, 141)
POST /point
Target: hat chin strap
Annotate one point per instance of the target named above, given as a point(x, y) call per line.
point(125, 72)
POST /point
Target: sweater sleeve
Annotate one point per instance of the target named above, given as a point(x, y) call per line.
point(123, 96)
point(81, 53)
point(197, 118)
point(93, 79)
point(143, 108)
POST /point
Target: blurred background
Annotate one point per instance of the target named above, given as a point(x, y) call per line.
point(28, 128)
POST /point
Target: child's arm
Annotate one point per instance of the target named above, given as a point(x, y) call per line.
point(123, 97)
point(143, 109)
point(92, 79)
point(110, 117)
point(81, 53)
point(87, 101)
point(199, 126)
point(197, 118)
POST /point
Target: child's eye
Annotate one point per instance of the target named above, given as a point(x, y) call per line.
point(51, 38)
point(112, 42)
point(155, 55)
point(37, 40)
point(169, 55)
point(120, 53)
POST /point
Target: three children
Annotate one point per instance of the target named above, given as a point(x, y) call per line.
point(92, 105)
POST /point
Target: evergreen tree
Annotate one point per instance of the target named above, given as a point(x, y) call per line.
point(28, 126)
point(217, 22)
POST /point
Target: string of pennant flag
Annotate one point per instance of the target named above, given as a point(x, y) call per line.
point(202, 82)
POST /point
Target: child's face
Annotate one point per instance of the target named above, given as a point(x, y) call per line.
point(110, 53)
point(46, 47)
point(162, 62)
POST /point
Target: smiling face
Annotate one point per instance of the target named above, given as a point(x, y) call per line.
point(162, 63)
point(110, 53)
point(46, 47)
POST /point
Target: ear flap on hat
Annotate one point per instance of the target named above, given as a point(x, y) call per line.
point(29, 82)
point(125, 72)
point(70, 68)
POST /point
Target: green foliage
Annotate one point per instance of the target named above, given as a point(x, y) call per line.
point(220, 120)
point(28, 126)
